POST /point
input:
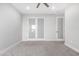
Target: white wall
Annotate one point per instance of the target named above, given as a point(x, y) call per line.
point(49, 29)
point(72, 27)
point(10, 26)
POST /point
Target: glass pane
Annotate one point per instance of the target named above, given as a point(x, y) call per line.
point(31, 28)
point(60, 28)
point(40, 29)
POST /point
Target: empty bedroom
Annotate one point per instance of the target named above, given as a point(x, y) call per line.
point(39, 29)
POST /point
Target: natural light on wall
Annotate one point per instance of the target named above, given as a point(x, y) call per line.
point(27, 8)
point(53, 7)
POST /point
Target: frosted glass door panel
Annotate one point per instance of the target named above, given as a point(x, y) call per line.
point(40, 29)
point(32, 28)
point(60, 28)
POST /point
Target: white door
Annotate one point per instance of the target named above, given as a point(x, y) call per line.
point(36, 28)
point(59, 28)
point(32, 28)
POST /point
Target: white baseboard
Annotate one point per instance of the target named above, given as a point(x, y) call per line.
point(76, 50)
point(44, 40)
point(3, 51)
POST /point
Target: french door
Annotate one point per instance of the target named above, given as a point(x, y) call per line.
point(60, 28)
point(36, 28)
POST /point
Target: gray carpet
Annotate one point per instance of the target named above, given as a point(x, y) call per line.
point(41, 48)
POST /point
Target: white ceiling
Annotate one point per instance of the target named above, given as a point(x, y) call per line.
point(59, 8)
